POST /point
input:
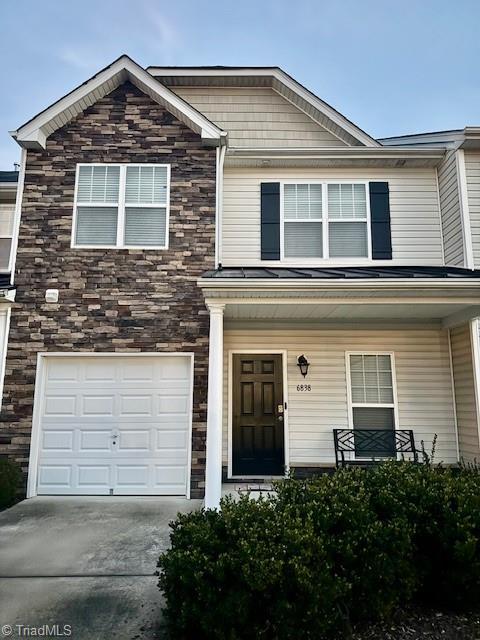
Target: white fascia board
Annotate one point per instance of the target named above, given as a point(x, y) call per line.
point(31, 134)
point(436, 153)
point(284, 79)
point(293, 284)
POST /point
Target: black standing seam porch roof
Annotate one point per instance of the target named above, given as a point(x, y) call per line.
point(5, 281)
point(340, 273)
point(8, 176)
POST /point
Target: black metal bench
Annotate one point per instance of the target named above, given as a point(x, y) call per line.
point(369, 446)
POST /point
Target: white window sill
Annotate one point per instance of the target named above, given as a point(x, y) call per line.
point(119, 248)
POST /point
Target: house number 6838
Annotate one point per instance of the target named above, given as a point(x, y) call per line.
point(304, 387)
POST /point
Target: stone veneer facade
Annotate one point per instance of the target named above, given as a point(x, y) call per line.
point(111, 300)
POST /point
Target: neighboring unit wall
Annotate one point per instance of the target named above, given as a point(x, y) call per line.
point(465, 392)
point(472, 169)
point(424, 387)
point(8, 196)
point(415, 216)
point(258, 117)
point(452, 226)
point(111, 300)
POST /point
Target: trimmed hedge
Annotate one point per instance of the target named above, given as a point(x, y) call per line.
point(322, 555)
point(10, 478)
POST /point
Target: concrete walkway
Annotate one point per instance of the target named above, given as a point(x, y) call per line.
point(85, 562)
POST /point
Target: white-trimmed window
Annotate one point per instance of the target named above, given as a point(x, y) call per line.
point(372, 394)
point(326, 220)
point(122, 205)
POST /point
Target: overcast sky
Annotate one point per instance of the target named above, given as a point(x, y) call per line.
point(391, 66)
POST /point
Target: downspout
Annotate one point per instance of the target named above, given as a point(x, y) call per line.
point(464, 208)
point(18, 213)
point(221, 150)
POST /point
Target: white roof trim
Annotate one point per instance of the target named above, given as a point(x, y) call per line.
point(35, 132)
point(369, 152)
point(467, 138)
point(284, 80)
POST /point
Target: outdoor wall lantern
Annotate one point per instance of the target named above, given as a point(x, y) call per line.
point(303, 365)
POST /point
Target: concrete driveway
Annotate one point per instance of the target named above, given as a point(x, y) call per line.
point(86, 562)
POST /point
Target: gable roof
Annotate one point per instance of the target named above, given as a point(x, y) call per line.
point(34, 133)
point(273, 77)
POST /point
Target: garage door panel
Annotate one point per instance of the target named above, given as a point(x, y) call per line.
point(134, 440)
point(63, 372)
point(170, 403)
point(141, 373)
point(136, 405)
point(57, 440)
point(132, 475)
point(60, 405)
point(171, 439)
point(169, 477)
point(55, 476)
point(116, 425)
point(100, 370)
point(172, 368)
point(97, 405)
point(91, 475)
point(91, 440)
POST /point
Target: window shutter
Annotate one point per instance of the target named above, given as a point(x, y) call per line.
point(270, 220)
point(380, 221)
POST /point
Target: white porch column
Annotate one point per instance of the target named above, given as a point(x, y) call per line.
point(213, 474)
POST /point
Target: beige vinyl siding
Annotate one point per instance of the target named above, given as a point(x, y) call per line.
point(472, 169)
point(451, 213)
point(465, 398)
point(424, 388)
point(415, 216)
point(258, 117)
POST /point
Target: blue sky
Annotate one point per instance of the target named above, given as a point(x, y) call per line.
point(391, 66)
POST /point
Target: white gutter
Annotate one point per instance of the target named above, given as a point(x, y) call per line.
point(219, 204)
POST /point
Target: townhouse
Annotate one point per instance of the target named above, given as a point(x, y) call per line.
point(216, 270)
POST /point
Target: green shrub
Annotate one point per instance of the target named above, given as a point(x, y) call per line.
point(442, 507)
point(10, 477)
point(324, 554)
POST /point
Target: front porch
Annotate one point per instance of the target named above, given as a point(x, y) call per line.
point(378, 359)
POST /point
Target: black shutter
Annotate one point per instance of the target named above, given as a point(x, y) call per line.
point(380, 221)
point(270, 220)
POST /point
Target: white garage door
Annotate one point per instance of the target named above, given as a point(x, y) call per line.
point(114, 425)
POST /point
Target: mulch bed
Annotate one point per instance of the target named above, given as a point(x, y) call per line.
point(425, 625)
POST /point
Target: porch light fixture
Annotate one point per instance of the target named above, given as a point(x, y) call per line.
point(303, 364)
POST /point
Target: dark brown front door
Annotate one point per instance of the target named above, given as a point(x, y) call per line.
point(258, 416)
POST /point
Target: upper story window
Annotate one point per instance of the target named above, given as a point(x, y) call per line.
point(123, 206)
point(326, 220)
